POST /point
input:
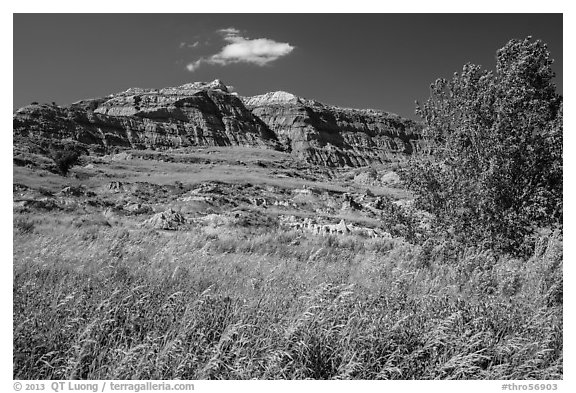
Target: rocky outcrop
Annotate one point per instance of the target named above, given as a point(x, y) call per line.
point(349, 203)
point(169, 220)
point(325, 228)
point(189, 115)
point(334, 136)
point(373, 178)
point(207, 114)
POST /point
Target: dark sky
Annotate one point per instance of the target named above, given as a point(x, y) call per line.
point(381, 61)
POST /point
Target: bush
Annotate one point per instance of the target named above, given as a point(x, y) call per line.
point(493, 171)
point(24, 225)
point(65, 160)
point(398, 221)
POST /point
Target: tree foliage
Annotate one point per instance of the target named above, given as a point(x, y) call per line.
point(492, 170)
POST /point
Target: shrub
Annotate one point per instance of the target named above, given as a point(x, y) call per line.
point(398, 221)
point(65, 160)
point(493, 171)
point(24, 225)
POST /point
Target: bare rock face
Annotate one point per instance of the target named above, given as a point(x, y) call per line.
point(202, 114)
point(373, 178)
point(391, 179)
point(333, 136)
point(316, 227)
point(207, 114)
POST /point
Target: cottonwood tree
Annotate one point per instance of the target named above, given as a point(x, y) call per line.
point(492, 172)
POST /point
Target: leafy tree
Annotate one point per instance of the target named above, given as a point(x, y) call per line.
point(492, 170)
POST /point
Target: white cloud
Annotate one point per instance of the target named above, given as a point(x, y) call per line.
point(187, 45)
point(259, 51)
point(194, 65)
point(229, 31)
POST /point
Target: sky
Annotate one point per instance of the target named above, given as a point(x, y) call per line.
point(379, 61)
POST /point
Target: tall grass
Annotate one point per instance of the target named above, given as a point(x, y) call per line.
point(100, 302)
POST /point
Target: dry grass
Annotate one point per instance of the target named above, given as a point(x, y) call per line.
point(197, 165)
point(121, 302)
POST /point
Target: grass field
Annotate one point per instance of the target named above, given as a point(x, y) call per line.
point(102, 296)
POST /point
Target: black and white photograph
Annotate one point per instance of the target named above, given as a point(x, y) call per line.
point(287, 196)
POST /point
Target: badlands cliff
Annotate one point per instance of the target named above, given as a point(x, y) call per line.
point(208, 114)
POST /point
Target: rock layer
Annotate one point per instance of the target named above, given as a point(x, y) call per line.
point(190, 115)
point(331, 135)
point(207, 114)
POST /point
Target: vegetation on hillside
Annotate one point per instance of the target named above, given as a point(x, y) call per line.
point(494, 173)
point(95, 302)
point(65, 159)
point(466, 283)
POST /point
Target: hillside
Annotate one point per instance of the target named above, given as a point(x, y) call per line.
point(204, 235)
point(207, 114)
point(243, 263)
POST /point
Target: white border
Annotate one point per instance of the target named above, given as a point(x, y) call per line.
point(295, 6)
